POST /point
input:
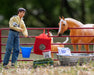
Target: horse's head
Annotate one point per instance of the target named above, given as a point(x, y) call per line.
point(62, 26)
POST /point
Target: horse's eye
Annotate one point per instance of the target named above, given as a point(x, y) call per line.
point(63, 24)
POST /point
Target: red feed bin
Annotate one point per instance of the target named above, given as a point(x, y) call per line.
point(42, 42)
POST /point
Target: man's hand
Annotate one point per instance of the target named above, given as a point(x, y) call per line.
point(21, 30)
point(25, 36)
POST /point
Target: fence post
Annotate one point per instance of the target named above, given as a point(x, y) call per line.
point(0, 48)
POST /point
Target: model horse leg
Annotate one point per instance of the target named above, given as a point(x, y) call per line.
point(86, 47)
point(52, 55)
point(74, 46)
point(79, 46)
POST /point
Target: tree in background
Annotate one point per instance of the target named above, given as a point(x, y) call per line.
point(41, 13)
point(83, 11)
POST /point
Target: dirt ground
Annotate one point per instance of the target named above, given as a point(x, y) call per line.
point(26, 68)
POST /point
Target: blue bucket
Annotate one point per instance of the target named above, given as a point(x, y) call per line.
point(26, 51)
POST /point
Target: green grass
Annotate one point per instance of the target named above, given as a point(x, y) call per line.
point(26, 68)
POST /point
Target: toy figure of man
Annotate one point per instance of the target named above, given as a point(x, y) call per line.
point(16, 25)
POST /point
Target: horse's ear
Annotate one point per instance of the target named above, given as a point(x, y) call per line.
point(59, 17)
point(62, 17)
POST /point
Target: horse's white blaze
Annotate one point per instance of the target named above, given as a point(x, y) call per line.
point(60, 24)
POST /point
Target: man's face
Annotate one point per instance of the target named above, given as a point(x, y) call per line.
point(21, 14)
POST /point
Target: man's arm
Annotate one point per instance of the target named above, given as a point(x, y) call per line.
point(25, 32)
point(14, 27)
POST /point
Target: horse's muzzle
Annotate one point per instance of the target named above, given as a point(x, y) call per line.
point(59, 34)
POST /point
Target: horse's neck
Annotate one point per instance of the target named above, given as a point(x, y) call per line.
point(73, 23)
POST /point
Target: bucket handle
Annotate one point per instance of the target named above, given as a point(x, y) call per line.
point(43, 30)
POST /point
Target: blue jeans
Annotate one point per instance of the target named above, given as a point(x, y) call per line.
point(12, 43)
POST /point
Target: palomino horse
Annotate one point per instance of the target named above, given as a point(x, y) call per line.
point(64, 24)
point(54, 48)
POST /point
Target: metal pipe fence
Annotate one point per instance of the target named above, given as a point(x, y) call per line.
point(2, 44)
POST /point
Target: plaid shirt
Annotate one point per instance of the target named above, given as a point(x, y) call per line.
point(17, 24)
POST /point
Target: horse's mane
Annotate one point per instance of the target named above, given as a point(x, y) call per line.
point(74, 21)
